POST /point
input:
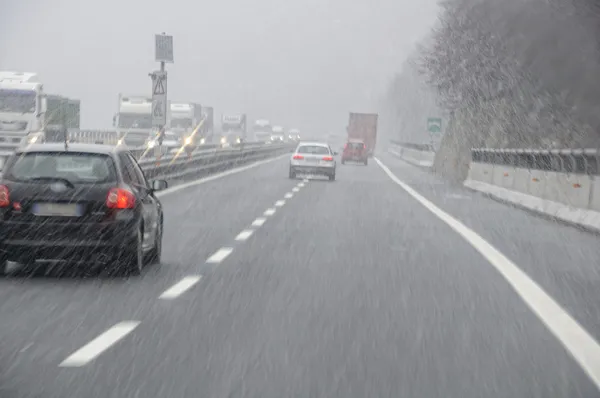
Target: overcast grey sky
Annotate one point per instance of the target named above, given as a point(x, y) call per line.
point(303, 63)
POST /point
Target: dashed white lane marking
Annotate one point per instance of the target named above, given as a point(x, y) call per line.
point(280, 203)
point(567, 330)
point(28, 346)
point(259, 222)
point(295, 189)
point(245, 234)
point(288, 195)
point(305, 180)
point(269, 212)
point(220, 255)
point(180, 287)
point(94, 348)
point(300, 185)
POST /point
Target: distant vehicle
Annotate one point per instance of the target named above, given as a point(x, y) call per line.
point(134, 120)
point(355, 151)
point(26, 111)
point(277, 134)
point(363, 126)
point(262, 130)
point(88, 203)
point(183, 119)
point(313, 158)
point(294, 135)
point(233, 129)
point(171, 142)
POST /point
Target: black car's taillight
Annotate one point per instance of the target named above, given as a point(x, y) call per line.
point(119, 198)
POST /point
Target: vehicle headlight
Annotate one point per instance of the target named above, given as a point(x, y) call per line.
point(151, 144)
point(223, 140)
point(120, 142)
point(188, 140)
point(202, 141)
point(238, 140)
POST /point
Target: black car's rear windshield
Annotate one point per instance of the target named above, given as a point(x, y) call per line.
point(81, 168)
point(313, 149)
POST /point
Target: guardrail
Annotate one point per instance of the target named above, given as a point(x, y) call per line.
point(562, 183)
point(208, 161)
point(421, 155)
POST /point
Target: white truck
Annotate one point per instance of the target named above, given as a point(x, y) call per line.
point(277, 134)
point(233, 129)
point(185, 117)
point(26, 111)
point(294, 135)
point(133, 121)
point(262, 130)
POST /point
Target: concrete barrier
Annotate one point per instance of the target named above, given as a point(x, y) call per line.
point(421, 155)
point(564, 184)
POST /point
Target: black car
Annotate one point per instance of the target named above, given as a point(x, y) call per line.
point(81, 203)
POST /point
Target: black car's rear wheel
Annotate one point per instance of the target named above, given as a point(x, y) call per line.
point(292, 173)
point(130, 261)
point(155, 254)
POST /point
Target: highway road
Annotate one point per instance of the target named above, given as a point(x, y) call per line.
point(271, 288)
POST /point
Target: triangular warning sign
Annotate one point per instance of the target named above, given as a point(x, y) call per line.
point(159, 86)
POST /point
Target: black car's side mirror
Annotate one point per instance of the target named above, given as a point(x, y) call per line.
point(159, 185)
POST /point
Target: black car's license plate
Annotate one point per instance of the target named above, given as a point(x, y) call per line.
point(57, 209)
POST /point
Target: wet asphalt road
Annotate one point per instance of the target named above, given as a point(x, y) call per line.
point(348, 289)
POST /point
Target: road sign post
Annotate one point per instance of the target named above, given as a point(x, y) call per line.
point(434, 128)
point(163, 53)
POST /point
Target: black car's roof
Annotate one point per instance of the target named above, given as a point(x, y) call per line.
point(86, 148)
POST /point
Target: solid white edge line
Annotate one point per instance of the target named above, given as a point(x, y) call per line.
point(280, 203)
point(288, 195)
point(213, 177)
point(220, 255)
point(180, 287)
point(103, 342)
point(259, 222)
point(245, 234)
point(269, 212)
point(582, 346)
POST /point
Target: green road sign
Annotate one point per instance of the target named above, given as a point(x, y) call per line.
point(434, 125)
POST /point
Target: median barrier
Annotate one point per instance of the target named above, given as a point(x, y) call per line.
point(421, 155)
point(564, 184)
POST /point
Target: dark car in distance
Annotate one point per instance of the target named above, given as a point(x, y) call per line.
point(355, 151)
point(81, 203)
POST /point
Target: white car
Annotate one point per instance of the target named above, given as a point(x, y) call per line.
point(313, 158)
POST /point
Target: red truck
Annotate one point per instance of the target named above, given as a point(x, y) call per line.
point(363, 127)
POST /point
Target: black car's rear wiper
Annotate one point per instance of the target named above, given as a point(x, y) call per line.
point(66, 182)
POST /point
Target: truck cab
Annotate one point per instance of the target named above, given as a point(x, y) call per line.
point(134, 120)
point(22, 108)
point(277, 134)
point(262, 130)
point(294, 135)
point(233, 129)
